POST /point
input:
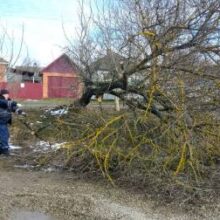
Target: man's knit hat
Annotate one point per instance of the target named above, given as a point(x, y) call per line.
point(4, 91)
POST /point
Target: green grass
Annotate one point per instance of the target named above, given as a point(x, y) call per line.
point(44, 103)
point(50, 103)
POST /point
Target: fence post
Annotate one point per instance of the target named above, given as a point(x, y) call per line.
point(117, 104)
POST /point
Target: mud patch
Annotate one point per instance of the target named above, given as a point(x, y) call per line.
point(27, 215)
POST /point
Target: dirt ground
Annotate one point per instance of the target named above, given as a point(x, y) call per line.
point(41, 195)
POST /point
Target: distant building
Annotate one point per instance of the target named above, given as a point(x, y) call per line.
point(3, 69)
point(61, 79)
point(24, 74)
point(108, 68)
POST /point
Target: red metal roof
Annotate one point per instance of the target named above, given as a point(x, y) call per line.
point(63, 64)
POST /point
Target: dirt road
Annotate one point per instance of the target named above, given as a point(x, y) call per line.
point(59, 196)
point(40, 195)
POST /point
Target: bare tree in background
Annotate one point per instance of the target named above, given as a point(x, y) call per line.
point(167, 50)
point(11, 45)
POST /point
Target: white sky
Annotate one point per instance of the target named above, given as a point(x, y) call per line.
point(42, 21)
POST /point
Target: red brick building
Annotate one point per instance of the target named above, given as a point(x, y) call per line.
point(61, 79)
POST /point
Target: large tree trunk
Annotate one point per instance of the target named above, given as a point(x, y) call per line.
point(109, 88)
point(85, 98)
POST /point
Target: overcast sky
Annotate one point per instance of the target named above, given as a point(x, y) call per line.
point(42, 20)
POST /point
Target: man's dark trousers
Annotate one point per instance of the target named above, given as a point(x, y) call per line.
point(4, 137)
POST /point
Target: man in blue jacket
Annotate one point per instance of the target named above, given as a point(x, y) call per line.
point(7, 106)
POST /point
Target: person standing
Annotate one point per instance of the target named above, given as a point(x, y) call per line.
point(7, 106)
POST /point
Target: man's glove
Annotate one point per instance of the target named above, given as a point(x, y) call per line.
point(12, 105)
